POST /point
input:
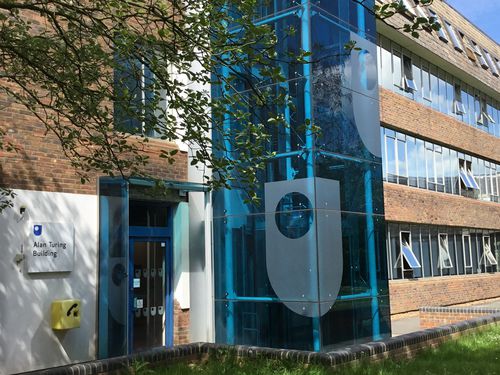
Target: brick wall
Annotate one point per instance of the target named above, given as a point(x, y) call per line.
point(40, 165)
point(407, 115)
point(411, 295)
point(431, 317)
point(411, 205)
point(181, 324)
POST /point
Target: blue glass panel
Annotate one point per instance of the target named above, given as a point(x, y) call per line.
point(113, 266)
point(264, 323)
point(357, 180)
point(352, 321)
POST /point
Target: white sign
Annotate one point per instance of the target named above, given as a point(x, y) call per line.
point(137, 283)
point(50, 247)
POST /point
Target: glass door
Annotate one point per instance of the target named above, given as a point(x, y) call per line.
point(148, 293)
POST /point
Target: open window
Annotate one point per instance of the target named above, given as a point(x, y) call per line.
point(406, 259)
point(488, 259)
point(469, 51)
point(410, 8)
point(484, 118)
point(457, 42)
point(491, 63)
point(444, 254)
point(458, 105)
point(408, 82)
point(465, 170)
point(479, 55)
point(441, 32)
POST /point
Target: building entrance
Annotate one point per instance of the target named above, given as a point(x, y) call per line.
point(148, 291)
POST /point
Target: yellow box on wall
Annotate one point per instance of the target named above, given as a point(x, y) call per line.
point(65, 313)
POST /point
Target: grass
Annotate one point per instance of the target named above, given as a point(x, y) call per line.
point(477, 353)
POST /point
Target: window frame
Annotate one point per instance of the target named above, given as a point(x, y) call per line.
point(487, 253)
point(491, 63)
point(458, 105)
point(441, 32)
point(407, 74)
point(470, 250)
point(402, 257)
point(466, 176)
point(457, 44)
point(444, 250)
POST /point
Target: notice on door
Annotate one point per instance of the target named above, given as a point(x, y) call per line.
point(50, 247)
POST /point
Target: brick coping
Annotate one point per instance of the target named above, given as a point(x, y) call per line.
point(376, 349)
point(460, 310)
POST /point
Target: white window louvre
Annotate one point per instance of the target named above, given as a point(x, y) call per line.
point(410, 7)
point(459, 107)
point(488, 258)
point(491, 63)
point(479, 55)
point(441, 33)
point(421, 12)
point(484, 117)
point(454, 38)
point(444, 253)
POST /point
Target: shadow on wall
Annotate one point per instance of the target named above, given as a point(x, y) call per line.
point(27, 341)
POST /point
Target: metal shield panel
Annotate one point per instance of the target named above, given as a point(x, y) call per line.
point(306, 268)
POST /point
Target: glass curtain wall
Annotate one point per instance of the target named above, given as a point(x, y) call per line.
point(411, 161)
point(436, 88)
point(440, 251)
point(306, 269)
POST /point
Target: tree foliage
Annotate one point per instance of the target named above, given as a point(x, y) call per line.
point(104, 76)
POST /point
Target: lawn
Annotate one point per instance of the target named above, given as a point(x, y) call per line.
point(472, 354)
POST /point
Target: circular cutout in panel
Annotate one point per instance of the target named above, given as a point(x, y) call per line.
point(294, 216)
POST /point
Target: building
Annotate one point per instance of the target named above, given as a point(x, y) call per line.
point(440, 117)
point(315, 266)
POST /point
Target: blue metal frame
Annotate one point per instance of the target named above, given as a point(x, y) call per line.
point(154, 234)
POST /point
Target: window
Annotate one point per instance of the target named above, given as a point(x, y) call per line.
point(488, 259)
point(457, 43)
point(397, 68)
point(479, 55)
point(409, 83)
point(465, 169)
point(136, 97)
point(458, 106)
point(444, 253)
point(441, 32)
point(491, 63)
point(421, 12)
point(426, 82)
point(467, 251)
point(484, 117)
point(469, 50)
point(406, 258)
point(410, 7)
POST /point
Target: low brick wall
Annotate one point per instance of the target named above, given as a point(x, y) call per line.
point(404, 346)
point(431, 317)
point(411, 295)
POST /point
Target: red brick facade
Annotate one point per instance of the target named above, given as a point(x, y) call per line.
point(181, 324)
point(431, 317)
point(411, 295)
point(411, 205)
